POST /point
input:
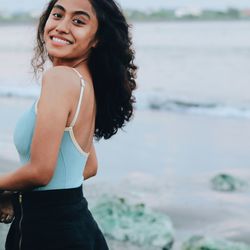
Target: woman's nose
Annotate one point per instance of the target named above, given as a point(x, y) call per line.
point(63, 26)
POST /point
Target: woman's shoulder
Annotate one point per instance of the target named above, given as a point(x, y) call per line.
point(59, 83)
point(60, 78)
point(58, 74)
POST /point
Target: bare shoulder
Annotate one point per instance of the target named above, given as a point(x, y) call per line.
point(58, 82)
point(64, 78)
point(59, 76)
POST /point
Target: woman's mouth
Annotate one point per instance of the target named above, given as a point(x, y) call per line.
point(59, 41)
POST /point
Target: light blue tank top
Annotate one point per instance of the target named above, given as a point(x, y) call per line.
point(71, 158)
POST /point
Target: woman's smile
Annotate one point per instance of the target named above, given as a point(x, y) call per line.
point(58, 41)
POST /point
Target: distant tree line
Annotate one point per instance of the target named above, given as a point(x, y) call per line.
point(16, 18)
point(136, 15)
point(170, 15)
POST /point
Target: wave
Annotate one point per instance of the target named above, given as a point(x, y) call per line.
point(152, 101)
point(201, 108)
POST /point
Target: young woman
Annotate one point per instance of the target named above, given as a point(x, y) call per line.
point(86, 94)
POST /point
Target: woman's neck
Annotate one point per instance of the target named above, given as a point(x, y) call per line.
point(70, 63)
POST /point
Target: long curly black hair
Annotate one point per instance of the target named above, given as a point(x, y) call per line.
point(111, 64)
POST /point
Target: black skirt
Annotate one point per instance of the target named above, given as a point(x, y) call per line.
point(53, 220)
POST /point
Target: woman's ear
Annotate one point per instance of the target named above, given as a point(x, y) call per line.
point(95, 44)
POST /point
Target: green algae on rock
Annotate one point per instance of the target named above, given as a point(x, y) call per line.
point(226, 182)
point(133, 223)
point(205, 243)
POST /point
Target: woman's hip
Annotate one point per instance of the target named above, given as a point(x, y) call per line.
point(56, 207)
point(55, 217)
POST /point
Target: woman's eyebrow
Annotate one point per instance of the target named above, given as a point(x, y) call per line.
point(77, 12)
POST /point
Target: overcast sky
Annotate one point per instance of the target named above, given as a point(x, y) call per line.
point(16, 5)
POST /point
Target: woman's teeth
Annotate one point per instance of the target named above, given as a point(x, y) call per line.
point(60, 40)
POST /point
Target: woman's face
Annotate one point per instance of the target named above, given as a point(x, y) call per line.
point(70, 30)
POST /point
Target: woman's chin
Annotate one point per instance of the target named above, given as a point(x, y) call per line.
point(57, 54)
point(62, 50)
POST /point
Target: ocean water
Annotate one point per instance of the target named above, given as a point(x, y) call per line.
point(194, 67)
point(192, 121)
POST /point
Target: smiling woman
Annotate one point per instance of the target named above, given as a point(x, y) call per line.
point(72, 28)
point(87, 94)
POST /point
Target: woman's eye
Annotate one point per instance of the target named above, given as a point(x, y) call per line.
point(57, 15)
point(78, 21)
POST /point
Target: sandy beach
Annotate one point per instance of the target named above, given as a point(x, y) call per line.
point(196, 214)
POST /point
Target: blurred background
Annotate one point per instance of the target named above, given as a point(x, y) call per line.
point(192, 118)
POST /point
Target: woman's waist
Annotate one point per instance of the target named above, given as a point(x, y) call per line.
point(48, 197)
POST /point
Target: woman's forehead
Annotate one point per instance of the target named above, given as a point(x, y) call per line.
point(76, 5)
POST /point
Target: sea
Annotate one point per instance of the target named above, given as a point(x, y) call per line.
point(191, 122)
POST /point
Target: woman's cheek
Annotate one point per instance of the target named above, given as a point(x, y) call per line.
point(49, 24)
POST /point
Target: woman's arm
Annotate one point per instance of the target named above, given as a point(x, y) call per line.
point(51, 119)
point(23, 178)
point(91, 166)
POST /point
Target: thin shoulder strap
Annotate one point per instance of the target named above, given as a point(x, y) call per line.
point(80, 99)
